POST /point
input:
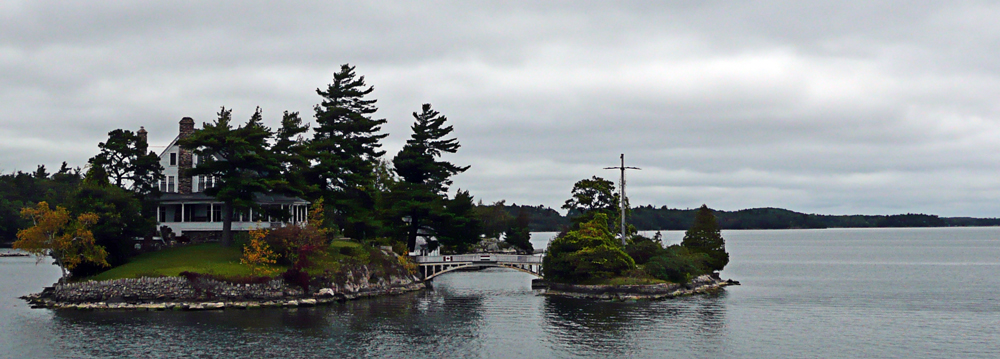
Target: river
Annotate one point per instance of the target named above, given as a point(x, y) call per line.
point(835, 293)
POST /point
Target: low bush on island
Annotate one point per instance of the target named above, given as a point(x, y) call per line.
point(592, 255)
point(587, 254)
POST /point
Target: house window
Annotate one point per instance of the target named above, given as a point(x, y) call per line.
point(173, 159)
point(201, 183)
point(163, 185)
point(170, 183)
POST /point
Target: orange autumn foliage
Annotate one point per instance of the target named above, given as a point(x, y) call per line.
point(257, 254)
point(53, 233)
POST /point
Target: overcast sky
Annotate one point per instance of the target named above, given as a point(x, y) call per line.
point(832, 107)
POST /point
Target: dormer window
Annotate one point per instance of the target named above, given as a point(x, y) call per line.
point(173, 159)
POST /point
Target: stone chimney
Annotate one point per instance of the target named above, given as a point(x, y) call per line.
point(184, 158)
point(142, 133)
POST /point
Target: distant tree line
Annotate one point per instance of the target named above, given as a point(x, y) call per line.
point(645, 218)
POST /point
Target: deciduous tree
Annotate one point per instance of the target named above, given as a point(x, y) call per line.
point(53, 233)
point(257, 254)
point(590, 197)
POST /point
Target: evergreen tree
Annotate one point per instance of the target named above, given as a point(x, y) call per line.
point(417, 162)
point(518, 234)
point(705, 237)
point(126, 159)
point(345, 152)
point(424, 176)
point(290, 149)
point(239, 159)
point(495, 218)
point(455, 225)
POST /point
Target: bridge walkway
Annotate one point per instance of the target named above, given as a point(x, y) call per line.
point(433, 266)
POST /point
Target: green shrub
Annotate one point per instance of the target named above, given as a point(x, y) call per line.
point(642, 249)
point(600, 262)
point(588, 253)
point(676, 264)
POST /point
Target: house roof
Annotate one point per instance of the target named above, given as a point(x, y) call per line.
point(167, 148)
point(201, 197)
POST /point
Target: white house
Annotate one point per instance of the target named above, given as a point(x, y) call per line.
point(189, 212)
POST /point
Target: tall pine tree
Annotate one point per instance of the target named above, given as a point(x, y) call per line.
point(425, 178)
point(345, 152)
point(240, 160)
point(290, 149)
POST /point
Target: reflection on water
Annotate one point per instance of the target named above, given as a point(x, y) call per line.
point(637, 328)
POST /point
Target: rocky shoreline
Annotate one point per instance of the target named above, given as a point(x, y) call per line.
point(206, 293)
point(702, 284)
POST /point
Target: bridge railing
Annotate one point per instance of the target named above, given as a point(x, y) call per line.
point(509, 258)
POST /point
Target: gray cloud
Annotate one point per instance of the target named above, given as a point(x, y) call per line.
point(827, 107)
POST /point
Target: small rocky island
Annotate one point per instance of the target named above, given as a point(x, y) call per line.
point(588, 262)
point(200, 292)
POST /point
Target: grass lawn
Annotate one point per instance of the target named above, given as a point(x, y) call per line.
point(208, 258)
point(212, 258)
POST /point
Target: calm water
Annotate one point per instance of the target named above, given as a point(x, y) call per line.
point(844, 293)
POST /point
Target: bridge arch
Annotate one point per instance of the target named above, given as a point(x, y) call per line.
point(433, 266)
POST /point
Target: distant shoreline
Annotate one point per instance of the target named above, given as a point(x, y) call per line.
point(649, 218)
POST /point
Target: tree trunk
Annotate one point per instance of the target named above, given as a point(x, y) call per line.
point(227, 224)
point(411, 235)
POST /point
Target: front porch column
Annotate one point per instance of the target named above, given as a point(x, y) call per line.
point(182, 213)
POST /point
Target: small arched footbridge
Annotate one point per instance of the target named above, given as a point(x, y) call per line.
point(433, 266)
